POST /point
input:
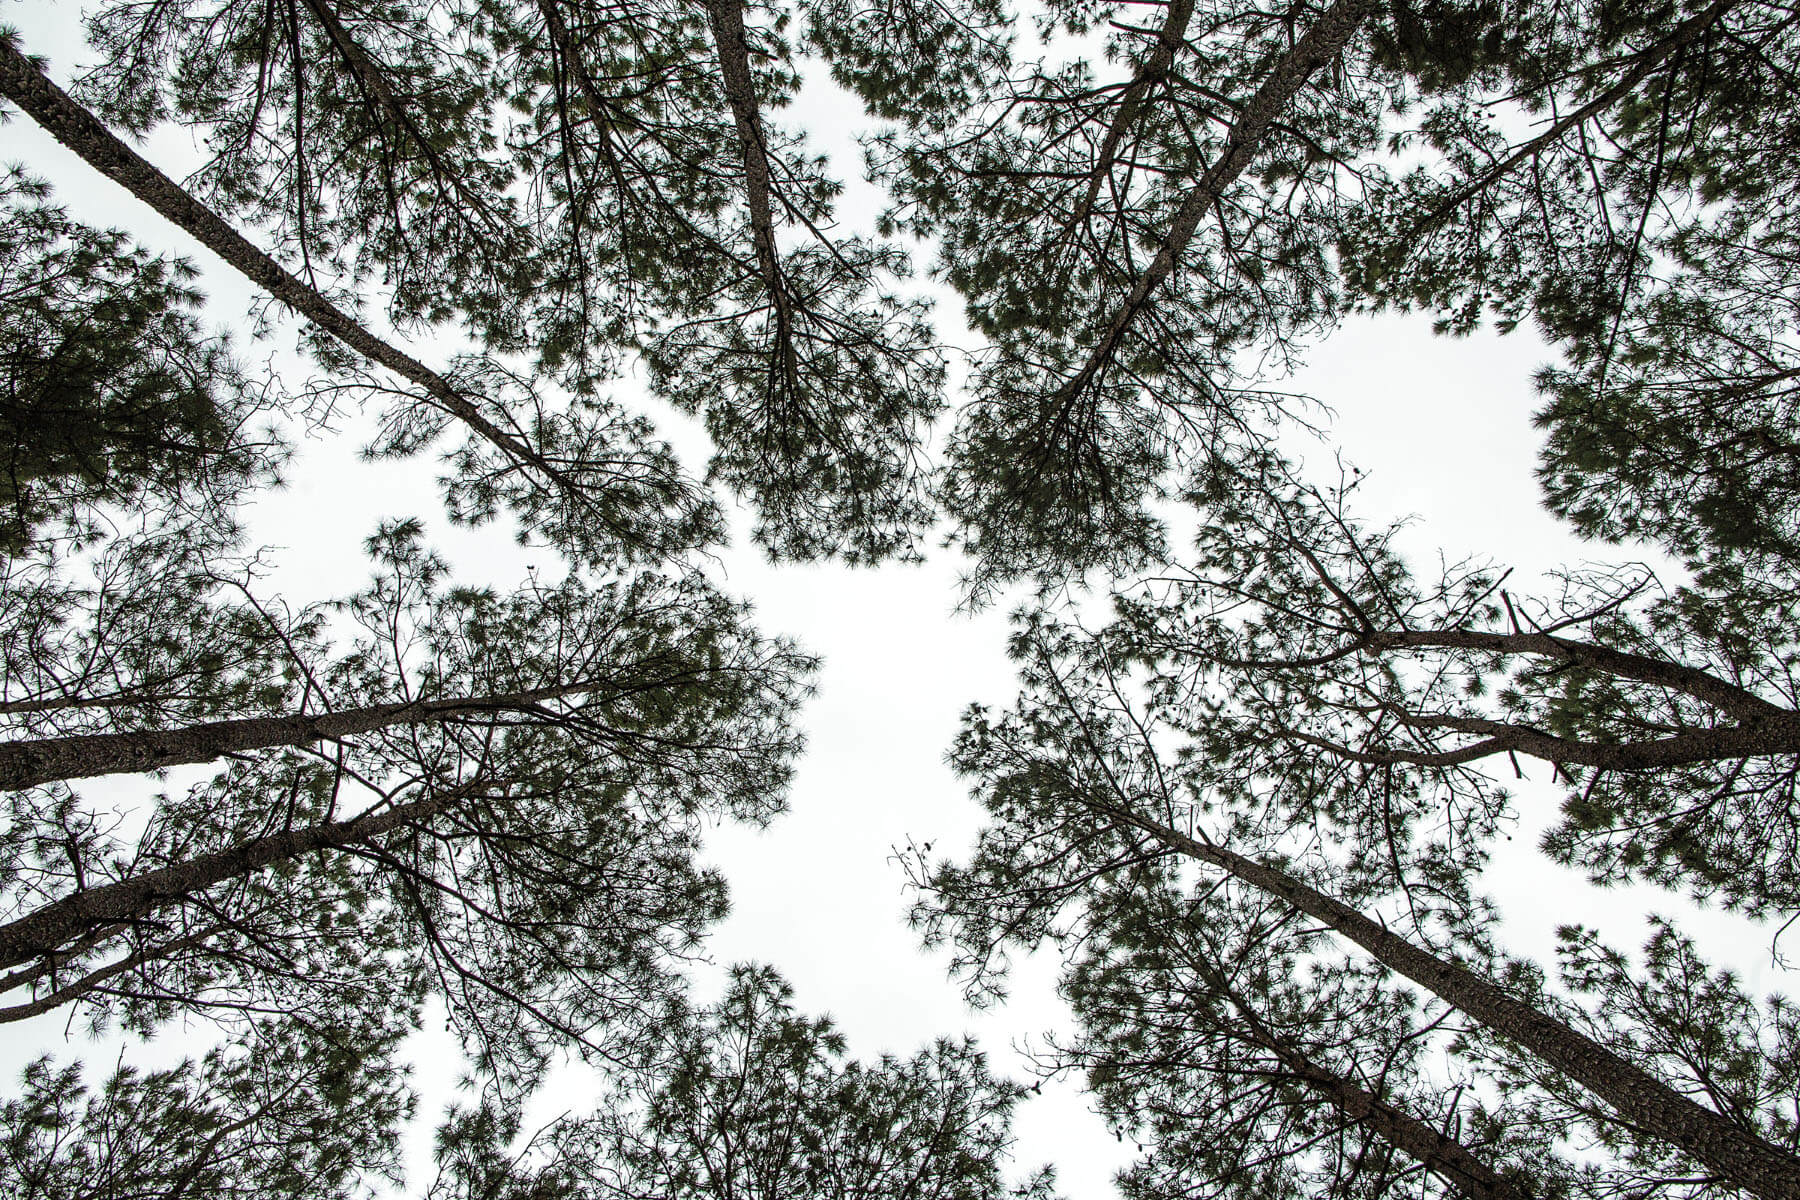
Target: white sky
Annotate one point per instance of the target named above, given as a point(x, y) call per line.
point(1443, 427)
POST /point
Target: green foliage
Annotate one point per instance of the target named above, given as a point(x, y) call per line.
point(1672, 1013)
point(545, 883)
point(167, 628)
point(1050, 194)
point(285, 1111)
point(1213, 1028)
point(110, 392)
point(1645, 225)
point(758, 1101)
point(568, 181)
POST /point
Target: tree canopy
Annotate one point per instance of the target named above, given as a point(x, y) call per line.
point(1255, 773)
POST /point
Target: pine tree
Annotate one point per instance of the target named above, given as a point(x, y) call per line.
point(529, 859)
point(283, 1110)
point(1312, 670)
point(1078, 787)
point(758, 1101)
point(110, 393)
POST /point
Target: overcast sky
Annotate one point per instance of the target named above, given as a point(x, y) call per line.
point(1443, 427)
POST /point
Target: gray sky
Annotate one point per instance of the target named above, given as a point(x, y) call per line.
point(1443, 427)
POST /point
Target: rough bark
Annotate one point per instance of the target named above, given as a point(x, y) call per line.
point(1153, 71)
point(72, 125)
point(1443, 1156)
point(1319, 46)
point(93, 979)
point(1727, 744)
point(1437, 1152)
point(1736, 1154)
point(26, 764)
point(727, 20)
point(48, 929)
point(1702, 685)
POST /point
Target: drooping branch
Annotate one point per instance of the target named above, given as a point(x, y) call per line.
point(374, 83)
point(26, 764)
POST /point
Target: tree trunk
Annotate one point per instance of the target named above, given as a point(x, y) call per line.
point(1738, 1155)
point(26, 764)
point(1154, 70)
point(75, 127)
point(727, 20)
point(47, 929)
point(1319, 46)
point(1436, 1151)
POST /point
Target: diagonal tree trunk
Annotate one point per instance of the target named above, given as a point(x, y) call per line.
point(1131, 102)
point(727, 20)
point(48, 929)
point(1319, 46)
point(1433, 1149)
point(1437, 1152)
point(25, 85)
point(1736, 1154)
point(26, 764)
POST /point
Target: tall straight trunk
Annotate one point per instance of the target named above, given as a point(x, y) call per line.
point(1737, 1155)
point(1319, 46)
point(50, 928)
point(1154, 70)
point(75, 127)
point(26, 764)
point(1433, 1149)
point(727, 20)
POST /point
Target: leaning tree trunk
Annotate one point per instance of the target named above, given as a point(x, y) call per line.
point(72, 125)
point(26, 764)
point(1436, 1151)
point(50, 928)
point(1256, 118)
point(1738, 1155)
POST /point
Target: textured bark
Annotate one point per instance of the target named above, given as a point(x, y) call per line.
point(1437, 1152)
point(93, 979)
point(75, 127)
point(48, 929)
point(1153, 71)
point(727, 20)
point(1319, 46)
point(1728, 744)
point(44, 760)
point(1443, 1156)
point(1702, 685)
point(1737, 1155)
